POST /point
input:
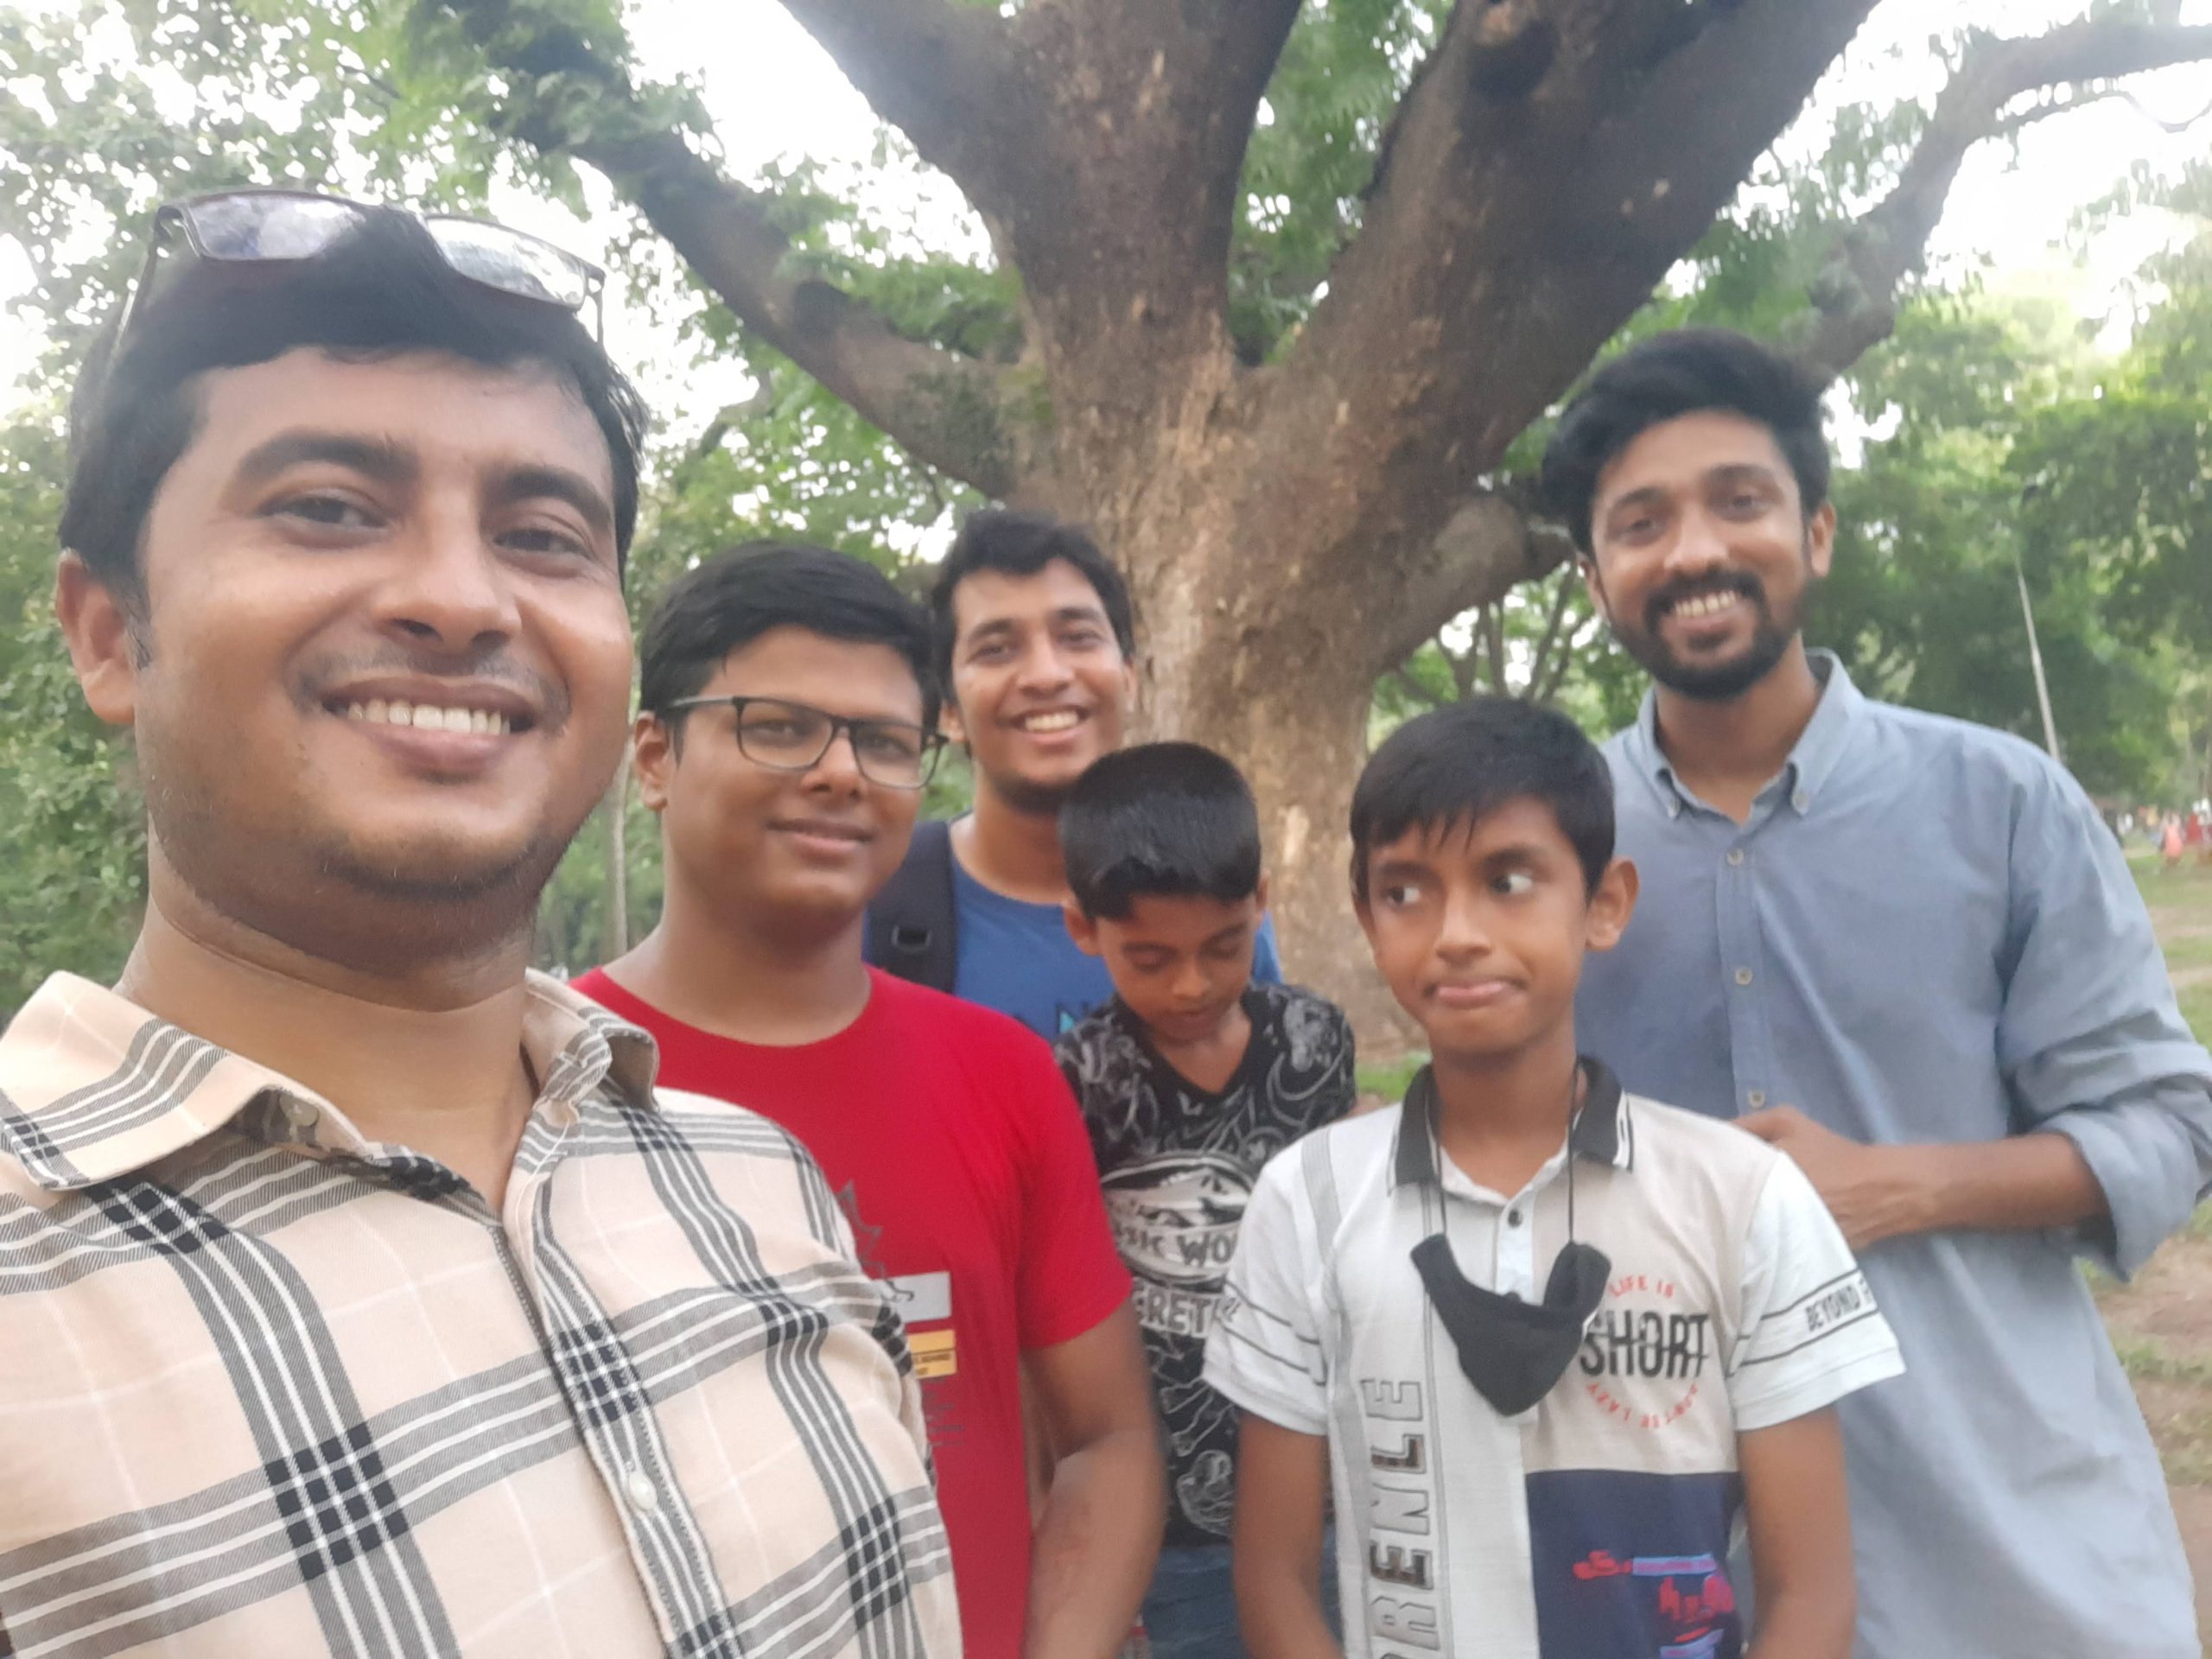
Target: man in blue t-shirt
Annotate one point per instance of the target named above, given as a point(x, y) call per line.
point(1034, 648)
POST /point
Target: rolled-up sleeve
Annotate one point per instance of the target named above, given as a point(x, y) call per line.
point(2091, 1043)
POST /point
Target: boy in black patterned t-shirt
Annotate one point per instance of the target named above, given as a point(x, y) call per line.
point(1190, 1080)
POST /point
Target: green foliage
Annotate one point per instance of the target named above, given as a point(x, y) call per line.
point(1344, 68)
point(2005, 441)
point(73, 879)
point(2016, 455)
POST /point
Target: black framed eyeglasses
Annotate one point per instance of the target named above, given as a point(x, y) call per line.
point(257, 226)
point(794, 736)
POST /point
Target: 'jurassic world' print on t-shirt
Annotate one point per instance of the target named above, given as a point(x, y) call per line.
point(1178, 1163)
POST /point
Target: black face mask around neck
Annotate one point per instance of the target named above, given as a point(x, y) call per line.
point(1514, 1352)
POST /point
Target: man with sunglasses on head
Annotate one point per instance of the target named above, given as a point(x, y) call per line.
point(358, 1294)
point(788, 724)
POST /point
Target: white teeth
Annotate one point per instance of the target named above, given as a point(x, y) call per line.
point(1060, 722)
point(426, 717)
point(1704, 604)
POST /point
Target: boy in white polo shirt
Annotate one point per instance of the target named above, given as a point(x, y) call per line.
point(1555, 1345)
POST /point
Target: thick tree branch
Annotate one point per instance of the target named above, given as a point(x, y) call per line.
point(947, 409)
point(942, 74)
point(1855, 297)
point(1490, 544)
point(1549, 164)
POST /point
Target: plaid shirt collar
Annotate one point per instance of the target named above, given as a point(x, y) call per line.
point(94, 1087)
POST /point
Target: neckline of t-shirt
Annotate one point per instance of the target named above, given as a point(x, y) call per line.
point(1255, 1005)
point(963, 877)
point(877, 979)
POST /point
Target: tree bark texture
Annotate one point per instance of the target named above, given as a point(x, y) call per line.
point(1293, 531)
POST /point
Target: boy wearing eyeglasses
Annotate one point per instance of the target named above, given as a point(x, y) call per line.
point(1554, 1347)
point(788, 725)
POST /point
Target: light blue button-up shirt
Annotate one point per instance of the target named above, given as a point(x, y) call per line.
point(1924, 933)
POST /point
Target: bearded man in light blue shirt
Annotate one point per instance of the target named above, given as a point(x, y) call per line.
point(1904, 949)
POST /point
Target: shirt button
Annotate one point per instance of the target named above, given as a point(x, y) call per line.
point(1801, 800)
point(301, 1114)
point(1756, 1098)
point(1513, 1217)
point(638, 1488)
point(1743, 976)
point(1735, 854)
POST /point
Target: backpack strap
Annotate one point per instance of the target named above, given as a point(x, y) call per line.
point(910, 929)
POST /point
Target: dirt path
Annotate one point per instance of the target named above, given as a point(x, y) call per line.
point(2162, 1322)
point(2162, 1325)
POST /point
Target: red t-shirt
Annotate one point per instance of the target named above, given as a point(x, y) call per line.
point(951, 1138)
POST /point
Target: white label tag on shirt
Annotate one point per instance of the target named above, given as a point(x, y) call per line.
point(921, 1297)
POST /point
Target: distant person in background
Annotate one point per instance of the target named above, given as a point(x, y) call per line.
point(788, 725)
point(1905, 950)
point(2170, 843)
point(1035, 647)
point(1191, 1078)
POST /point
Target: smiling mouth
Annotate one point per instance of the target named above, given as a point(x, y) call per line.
point(430, 717)
point(1051, 720)
point(844, 832)
point(1700, 605)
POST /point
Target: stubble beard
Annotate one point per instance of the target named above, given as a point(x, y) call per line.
point(1723, 681)
point(319, 891)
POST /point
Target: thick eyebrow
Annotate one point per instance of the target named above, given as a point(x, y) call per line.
point(538, 483)
point(1514, 855)
point(1744, 472)
point(1739, 472)
point(1399, 870)
point(372, 457)
point(991, 627)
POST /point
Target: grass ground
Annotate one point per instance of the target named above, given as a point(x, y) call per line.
point(2161, 1321)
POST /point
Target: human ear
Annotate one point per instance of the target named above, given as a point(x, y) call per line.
point(1611, 905)
point(1081, 929)
point(1260, 893)
point(948, 722)
point(653, 755)
point(105, 644)
point(1594, 585)
point(1819, 539)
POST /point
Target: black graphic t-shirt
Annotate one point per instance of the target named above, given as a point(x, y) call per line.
point(1178, 1163)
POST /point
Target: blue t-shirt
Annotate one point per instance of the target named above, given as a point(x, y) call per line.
point(1017, 957)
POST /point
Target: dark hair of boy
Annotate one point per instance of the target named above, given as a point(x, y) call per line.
point(1683, 372)
point(1167, 820)
point(730, 598)
point(1020, 543)
point(381, 290)
point(1454, 767)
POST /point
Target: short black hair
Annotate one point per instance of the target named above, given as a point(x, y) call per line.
point(1171, 820)
point(1020, 543)
point(1454, 767)
point(1681, 372)
point(732, 598)
point(381, 289)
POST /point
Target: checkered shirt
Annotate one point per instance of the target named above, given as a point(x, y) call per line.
point(267, 1388)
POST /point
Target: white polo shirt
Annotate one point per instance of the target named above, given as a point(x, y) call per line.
point(1597, 1525)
